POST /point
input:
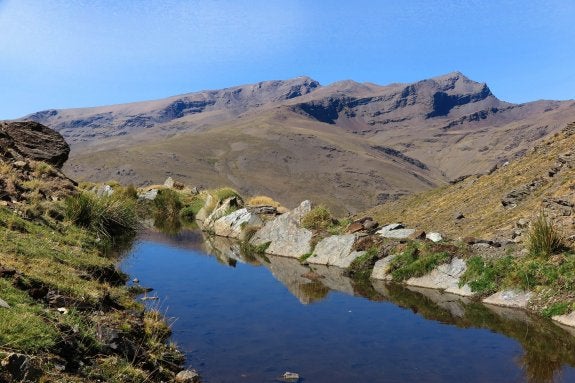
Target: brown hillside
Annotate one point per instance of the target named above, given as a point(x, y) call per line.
point(544, 179)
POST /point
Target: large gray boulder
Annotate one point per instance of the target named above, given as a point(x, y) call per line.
point(226, 207)
point(203, 212)
point(285, 234)
point(444, 277)
point(233, 225)
point(335, 250)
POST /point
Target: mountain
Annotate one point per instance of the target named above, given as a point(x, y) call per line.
point(345, 144)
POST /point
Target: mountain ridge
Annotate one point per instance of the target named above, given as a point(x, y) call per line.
point(323, 140)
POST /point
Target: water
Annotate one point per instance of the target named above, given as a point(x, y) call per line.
point(250, 321)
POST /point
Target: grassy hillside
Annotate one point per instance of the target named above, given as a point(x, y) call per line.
point(544, 179)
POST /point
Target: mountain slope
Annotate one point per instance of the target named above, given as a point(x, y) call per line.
point(346, 143)
point(492, 205)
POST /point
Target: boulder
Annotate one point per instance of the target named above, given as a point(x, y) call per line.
point(35, 141)
point(285, 234)
point(335, 250)
point(509, 298)
point(169, 182)
point(226, 207)
point(188, 376)
point(444, 277)
point(232, 225)
point(21, 368)
point(150, 195)
point(395, 230)
point(381, 268)
point(434, 237)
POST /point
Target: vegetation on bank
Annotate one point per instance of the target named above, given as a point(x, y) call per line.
point(68, 304)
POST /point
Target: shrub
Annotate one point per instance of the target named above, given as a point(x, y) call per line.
point(110, 216)
point(319, 218)
point(544, 238)
point(224, 193)
point(167, 204)
point(262, 200)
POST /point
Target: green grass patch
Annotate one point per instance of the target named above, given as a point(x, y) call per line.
point(362, 266)
point(487, 276)
point(24, 326)
point(559, 308)
point(416, 261)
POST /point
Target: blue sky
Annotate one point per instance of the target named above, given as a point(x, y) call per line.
point(73, 53)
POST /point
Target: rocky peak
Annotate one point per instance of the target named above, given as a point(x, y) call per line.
point(31, 140)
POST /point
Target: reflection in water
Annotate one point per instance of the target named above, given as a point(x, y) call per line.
point(333, 337)
point(546, 346)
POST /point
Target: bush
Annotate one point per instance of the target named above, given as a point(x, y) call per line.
point(319, 218)
point(167, 204)
point(544, 238)
point(110, 216)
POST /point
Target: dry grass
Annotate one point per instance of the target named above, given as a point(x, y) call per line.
point(479, 198)
point(262, 200)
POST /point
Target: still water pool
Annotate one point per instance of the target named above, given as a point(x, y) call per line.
point(250, 320)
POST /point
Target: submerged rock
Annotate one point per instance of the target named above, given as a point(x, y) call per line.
point(291, 376)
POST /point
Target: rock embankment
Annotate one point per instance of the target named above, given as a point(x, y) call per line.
point(381, 252)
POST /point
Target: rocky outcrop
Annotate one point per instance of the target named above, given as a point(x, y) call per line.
point(233, 225)
point(382, 267)
point(31, 140)
point(335, 250)
point(444, 277)
point(285, 234)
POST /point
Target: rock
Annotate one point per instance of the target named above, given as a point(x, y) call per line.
point(62, 310)
point(169, 182)
point(104, 191)
point(35, 141)
point(567, 319)
point(370, 225)
point(188, 376)
point(263, 209)
point(20, 164)
point(21, 368)
point(285, 235)
point(226, 207)
point(459, 215)
point(509, 298)
point(517, 195)
point(445, 277)
point(203, 212)
point(3, 304)
point(335, 250)
point(381, 268)
point(354, 227)
point(232, 225)
point(395, 230)
point(290, 376)
point(195, 190)
point(418, 234)
point(150, 195)
point(434, 237)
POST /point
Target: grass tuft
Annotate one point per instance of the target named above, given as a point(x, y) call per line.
point(544, 238)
